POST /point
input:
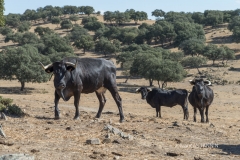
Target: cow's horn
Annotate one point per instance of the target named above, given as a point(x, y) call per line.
point(45, 67)
point(149, 89)
point(70, 64)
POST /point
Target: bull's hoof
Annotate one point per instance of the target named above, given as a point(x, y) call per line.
point(97, 116)
point(121, 120)
point(57, 117)
point(76, 118)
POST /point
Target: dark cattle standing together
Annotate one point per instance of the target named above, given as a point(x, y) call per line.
point(201, 97)
point(73, 76)
point(159, 97)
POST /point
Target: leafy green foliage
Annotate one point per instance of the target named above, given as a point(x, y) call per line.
point(2, 20)
point(56, 20)
point(55, 43)
point(6, 30)
point(15, 110)
point(213, 17)
point(24, 26)
point(6, 101)
point(74, 18)
point(194, 62)
point(85, 42)
point(66, 24)
point(192, 46)
point(22, 63)
point(107, 47)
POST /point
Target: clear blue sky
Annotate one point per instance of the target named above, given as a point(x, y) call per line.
point(19, 6)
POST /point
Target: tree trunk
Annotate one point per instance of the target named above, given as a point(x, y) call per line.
point(127, 79)
point(84, 50)
point(150, 82)
point(22, 85)
point(199, 71)
point(158, 84)
point(164, 84)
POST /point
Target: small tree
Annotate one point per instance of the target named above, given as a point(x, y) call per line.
point(6, 30)
point(84, 42)
point(192, 46)
point(74, 18)
point(22, 64)
point(24, 26)
point(66, 24)
point(56, 20)
point(2, 20)
point(107, 47)
point(194, 62)
point(211, 51)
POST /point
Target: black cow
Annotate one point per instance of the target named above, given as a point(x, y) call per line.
point(73, 76)
point(157, 97)
point(201, 97)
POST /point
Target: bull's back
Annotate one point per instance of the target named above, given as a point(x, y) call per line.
point(93, 73)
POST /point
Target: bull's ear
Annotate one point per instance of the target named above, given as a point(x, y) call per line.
point(192, 82)
point(70, 68)
point(49, 69)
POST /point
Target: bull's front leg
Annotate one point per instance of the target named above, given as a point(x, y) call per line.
point(201, 110)
point(56, 110)
point(194, 115)
point(76, 104)
point(158, 111)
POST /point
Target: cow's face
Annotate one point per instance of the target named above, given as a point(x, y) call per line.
point(61, 71)
point(144, 91)
point(199, 85)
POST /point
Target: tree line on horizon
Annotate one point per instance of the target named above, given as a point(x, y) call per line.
point(134, 46)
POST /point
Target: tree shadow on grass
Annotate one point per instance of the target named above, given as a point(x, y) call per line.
point(230, 149)
point(15, 90)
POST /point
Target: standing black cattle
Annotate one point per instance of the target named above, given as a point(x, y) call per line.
point(73, 76)
point(201, 97)
point(159, 97)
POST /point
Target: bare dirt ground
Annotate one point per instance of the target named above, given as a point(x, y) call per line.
point(153, 138)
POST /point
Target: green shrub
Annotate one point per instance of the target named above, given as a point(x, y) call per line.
point(6, 101)
point(15, 110)
point(2, 107)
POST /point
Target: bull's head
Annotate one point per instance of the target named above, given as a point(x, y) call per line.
point(61, 71)
point(144, 91)
point(199, 84)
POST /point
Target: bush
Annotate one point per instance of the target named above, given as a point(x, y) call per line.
point(2, 107)
point(15, 110)
point(6, 101)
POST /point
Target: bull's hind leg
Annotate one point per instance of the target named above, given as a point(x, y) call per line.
point(76, 104)
point(56, 109)
point(185, 112)
point(113, 90)
point(206, 113)
point(102, 101)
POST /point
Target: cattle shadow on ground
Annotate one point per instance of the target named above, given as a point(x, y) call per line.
point(230, 149)
point(234, 69)
point(15, 90)
point(44, 118)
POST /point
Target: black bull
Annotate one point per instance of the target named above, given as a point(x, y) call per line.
point(73, 76)
point(201, 97)
point(157, 97)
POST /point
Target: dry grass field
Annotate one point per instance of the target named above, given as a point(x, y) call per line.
point(170, 137)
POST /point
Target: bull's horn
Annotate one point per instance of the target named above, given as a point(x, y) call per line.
point(208, 82)
point(45, 67)
point(137, 90)
point(149, 89)
point(71, 64)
